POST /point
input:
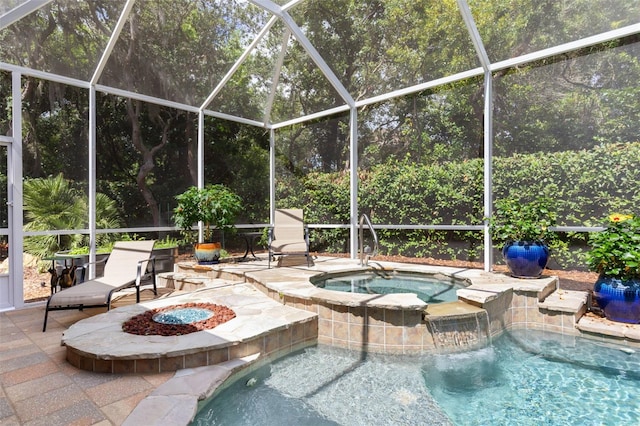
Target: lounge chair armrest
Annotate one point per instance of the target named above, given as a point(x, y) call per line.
point(139, 273)
point(97, 262)
point(85, 266)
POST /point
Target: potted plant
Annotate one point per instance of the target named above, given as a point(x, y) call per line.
point(216, 206)
point(615, 255)
point(521, 229)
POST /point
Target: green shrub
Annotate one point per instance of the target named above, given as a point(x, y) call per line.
point(582, 187)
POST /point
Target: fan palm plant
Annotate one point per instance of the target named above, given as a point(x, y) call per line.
point(53, 204)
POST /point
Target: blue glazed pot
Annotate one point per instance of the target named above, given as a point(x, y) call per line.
point(618, 299)
point(526, 259)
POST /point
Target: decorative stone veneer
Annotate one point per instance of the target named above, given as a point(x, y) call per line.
point(276, 342)
point(346, 321)
point(360, 326)
point(261, 327)
point(517, 303)
point(371, 328)
point(396, 324)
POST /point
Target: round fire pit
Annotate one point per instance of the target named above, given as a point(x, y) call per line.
point(178, 320)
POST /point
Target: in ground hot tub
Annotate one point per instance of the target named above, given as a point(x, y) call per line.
point(429, 288)
point(389, 311)
point(380, 310)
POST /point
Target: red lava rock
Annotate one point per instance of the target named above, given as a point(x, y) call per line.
point(144, 325)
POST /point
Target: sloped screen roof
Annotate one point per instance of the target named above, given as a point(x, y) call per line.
point(269, 62)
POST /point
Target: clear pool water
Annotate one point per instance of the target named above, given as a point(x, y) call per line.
point(428, 289)
point(523, 378)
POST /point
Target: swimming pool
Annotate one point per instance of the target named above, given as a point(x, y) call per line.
point(428, 288)
point(524, 377)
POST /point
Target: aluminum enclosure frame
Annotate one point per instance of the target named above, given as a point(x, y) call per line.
point(280, 13)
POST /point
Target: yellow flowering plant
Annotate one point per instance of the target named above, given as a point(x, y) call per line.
point(615, 251)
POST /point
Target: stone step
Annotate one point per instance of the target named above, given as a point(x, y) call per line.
point(491, 287)
point(566, 301)
point(593, 324)
point(189, 282)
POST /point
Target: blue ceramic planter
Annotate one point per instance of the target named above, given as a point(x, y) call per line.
point(618, 299)
point(526, 259)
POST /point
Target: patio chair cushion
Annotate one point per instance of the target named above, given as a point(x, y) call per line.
point(289, 234)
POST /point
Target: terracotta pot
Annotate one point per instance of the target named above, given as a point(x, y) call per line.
point(207, 253)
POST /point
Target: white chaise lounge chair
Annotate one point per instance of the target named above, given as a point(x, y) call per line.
point(125, 267)
point(289, 234)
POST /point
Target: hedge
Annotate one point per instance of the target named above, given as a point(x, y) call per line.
point(588, 185)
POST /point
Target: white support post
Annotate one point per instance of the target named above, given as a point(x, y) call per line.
point(92, 182)
point(488, 167)
point(353, 166)
point(467, 17)
point(272, 175)
point(14, 206)
point(201, 165)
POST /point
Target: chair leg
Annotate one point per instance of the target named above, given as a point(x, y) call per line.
point(46, 315)
point(153, 276)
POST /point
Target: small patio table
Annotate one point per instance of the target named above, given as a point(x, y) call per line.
point(250, 239)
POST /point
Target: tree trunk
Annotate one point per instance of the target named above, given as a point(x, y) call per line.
point(133, 109)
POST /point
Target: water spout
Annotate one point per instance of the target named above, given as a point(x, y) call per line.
point(454, 332)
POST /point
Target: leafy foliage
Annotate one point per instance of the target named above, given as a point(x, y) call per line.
point(615, 251)
point(420, 155)
point(515, 220)
point(578, 185)
point(55, 203)
point(214, 205)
